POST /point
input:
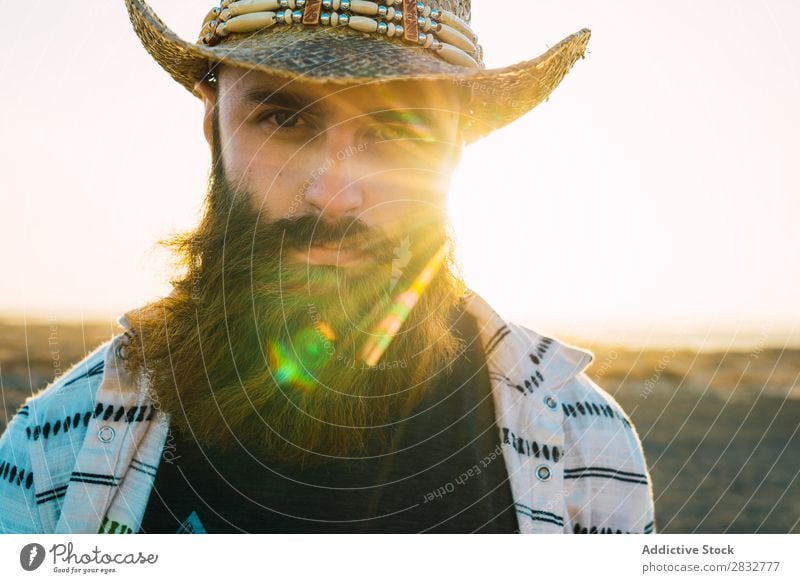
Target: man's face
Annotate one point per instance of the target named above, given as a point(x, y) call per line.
point(297, 355)
point(379, 153)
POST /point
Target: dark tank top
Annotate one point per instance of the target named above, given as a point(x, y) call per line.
point(455, 482)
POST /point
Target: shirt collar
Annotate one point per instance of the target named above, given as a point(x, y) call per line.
point(509, 347)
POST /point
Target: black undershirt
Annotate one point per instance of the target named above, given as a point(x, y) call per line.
point(454, 482)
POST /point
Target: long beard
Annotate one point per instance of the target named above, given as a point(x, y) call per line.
point(291, 361)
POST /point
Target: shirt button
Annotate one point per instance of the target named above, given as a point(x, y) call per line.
point(543, 472)
point(550, 402)
point(120, 351)
point(106, 434)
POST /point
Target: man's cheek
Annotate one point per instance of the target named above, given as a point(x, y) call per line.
point(418, 185)
point(272, 187)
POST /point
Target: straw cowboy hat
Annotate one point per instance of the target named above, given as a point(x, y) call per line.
point(359, 41)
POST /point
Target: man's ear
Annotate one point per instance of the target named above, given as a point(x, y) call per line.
point(209, 95)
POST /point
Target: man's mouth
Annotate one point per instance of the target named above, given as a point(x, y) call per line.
point(330, 254)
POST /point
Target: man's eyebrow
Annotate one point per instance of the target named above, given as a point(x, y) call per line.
point(280, 97)
point(409, 116)
point(257, 96)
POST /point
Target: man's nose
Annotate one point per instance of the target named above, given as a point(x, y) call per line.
point(336, 186)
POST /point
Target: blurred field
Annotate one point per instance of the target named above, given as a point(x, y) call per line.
point(721, 431)
point(32, 356)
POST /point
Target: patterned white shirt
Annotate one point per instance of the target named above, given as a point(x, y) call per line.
point(81, 455)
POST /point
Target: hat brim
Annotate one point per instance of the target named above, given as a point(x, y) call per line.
point(342, 55)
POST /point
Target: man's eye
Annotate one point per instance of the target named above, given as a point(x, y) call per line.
point(405, 132)
point(282, 117)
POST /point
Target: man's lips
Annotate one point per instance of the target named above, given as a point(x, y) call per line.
point(330, 254)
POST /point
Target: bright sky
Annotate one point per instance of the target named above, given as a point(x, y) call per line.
point(657, 189)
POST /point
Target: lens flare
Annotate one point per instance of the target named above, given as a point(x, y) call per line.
point(399, 310)
point(295, 365)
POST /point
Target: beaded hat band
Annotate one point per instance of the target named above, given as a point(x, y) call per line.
point(361, 42)
point(411, 20)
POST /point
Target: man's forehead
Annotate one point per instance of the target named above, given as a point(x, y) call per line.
point(252, 86)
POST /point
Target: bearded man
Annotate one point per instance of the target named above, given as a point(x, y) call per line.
point(320, 365)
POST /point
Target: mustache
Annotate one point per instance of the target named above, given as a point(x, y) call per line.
point(300, 233)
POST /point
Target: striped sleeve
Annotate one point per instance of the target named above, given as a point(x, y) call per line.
point(39, 446)
point(607, 482)
point(18, 513)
